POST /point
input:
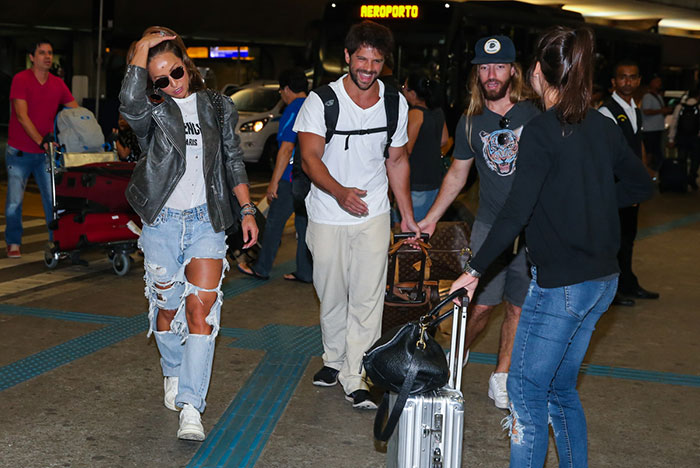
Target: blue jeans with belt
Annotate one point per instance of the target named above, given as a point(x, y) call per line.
point(20, 165)
point(553, 334)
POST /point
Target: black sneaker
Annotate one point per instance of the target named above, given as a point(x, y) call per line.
point(326, 377)
point(360, 399)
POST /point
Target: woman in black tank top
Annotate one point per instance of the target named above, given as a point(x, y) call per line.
point(427, 133)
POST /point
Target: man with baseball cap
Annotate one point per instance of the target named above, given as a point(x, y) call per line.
point(488, 133)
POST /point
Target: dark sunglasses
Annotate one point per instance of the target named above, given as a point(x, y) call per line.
point(164, 82)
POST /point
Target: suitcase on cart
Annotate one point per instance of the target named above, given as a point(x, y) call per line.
point(96, 187)
point(430, 429)
point(75, 231)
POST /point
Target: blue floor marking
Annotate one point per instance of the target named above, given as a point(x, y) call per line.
point(241, 433)
point(248, 283)
point(59, 314)
point(666, 227)
point(239, 437)
point(51, 358)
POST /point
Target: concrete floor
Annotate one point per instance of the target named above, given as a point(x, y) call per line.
point(80, 383)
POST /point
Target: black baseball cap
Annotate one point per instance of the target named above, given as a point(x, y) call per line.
point(494, 49)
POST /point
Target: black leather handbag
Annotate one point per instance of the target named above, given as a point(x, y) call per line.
point(407, 360)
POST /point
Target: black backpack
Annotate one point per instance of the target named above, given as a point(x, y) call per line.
point(331, 108)
point(688, 121)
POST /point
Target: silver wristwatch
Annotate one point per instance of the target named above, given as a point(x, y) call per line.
point(471, 271)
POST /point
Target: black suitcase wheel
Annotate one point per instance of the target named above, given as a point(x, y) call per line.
point(50, 259)
point(121, 263)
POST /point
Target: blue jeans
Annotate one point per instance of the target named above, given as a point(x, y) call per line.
point(281, 209)
point(19, 168)
point(555, 328)
point(169, 244)
point(422, 201)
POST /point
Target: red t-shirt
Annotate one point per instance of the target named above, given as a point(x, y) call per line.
point(43, 102)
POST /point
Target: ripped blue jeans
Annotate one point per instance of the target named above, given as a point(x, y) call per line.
point(553, 334)
point(169, 244)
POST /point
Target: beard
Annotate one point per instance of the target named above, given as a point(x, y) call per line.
point(496, 94)
point(353, 77)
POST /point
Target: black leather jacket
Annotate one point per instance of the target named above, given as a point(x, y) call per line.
point(160, 130)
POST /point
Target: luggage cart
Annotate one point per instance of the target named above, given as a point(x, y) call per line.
point(90, 209)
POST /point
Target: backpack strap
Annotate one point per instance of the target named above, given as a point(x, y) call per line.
point(391, 106)
point(331, 110)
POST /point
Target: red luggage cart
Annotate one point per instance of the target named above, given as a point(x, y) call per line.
point(90, 209)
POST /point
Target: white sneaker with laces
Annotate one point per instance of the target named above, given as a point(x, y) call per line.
point(190, 424)
point(497, 389)
point(170, 387)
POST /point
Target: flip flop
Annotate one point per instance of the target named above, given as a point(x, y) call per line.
point(294, 277)
point(250, 272)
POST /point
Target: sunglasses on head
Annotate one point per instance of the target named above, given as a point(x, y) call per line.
point(164, 82)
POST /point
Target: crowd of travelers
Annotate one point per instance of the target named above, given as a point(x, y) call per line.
point(560, 187)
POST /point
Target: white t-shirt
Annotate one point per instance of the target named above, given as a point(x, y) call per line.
point(362, 165)
point(190, 190)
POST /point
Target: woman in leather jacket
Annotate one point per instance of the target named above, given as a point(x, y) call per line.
point(180, 191)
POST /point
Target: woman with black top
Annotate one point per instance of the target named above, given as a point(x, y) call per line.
point(427, 133)
point(180, 189)
point(574, 170)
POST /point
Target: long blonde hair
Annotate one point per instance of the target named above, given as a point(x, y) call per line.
point(519, 91)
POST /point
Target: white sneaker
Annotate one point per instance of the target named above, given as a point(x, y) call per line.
point(497, 389)
point(190, 424)
point(170, 387)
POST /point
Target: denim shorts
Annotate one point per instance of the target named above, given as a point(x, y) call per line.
point(169, 244)
point(506, 279)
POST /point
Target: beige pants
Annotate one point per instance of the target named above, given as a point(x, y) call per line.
point(350, 279)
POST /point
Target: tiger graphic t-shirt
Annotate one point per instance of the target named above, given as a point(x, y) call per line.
point(493, 144)
point(190, 190)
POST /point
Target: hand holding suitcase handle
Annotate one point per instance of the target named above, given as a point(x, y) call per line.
point(410, 235)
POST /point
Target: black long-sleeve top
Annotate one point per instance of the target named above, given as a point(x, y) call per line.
point(569, 182)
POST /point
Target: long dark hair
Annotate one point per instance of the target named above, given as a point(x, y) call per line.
point(177, 47)
point(566, 59)
point(426, 89)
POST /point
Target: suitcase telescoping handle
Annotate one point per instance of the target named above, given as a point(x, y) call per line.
point(459, 324)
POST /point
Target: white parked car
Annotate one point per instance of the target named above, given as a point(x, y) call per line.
point(259, 110)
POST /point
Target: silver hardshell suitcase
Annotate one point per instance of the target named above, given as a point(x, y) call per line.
point(430, 429)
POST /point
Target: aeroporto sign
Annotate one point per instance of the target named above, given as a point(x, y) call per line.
point(389, 11)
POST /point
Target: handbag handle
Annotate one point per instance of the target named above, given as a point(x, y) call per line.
point(433, 314)
point(383, 434)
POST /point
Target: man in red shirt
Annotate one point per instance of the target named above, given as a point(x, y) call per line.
point(35, 96)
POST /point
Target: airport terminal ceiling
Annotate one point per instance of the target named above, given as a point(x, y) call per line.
point(286, 22)
point(279, 21)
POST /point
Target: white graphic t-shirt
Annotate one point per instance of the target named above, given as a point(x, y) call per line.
point(190, 190)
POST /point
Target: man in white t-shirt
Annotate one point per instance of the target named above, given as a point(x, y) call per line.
point(348, 207)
